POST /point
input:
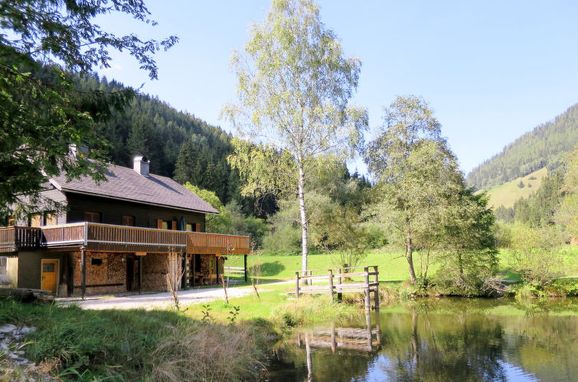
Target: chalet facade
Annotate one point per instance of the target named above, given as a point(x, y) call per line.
point(135, 231)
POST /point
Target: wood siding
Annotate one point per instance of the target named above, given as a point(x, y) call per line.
point(112, 212)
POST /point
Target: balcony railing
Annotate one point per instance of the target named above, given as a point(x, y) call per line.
point(14, 238)
point(117, 238)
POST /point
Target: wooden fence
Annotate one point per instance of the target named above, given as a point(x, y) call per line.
point(341, 281)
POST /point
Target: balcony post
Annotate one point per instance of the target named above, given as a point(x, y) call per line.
point(245, 267)
point(83, 269)
point(140, 262)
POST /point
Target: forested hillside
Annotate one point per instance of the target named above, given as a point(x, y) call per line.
point(178, 144)
point(545, 146)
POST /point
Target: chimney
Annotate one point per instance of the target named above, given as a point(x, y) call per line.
point(141, 165)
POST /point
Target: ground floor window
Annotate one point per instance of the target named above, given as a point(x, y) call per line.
point(3, 264)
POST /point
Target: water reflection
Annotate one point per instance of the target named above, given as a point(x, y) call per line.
point(439, 341)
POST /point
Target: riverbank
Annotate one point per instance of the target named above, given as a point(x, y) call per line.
point(236, 338)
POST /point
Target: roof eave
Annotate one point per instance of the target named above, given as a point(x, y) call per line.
point(72, 191)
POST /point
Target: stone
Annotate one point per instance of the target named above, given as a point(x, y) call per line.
point(7, 328)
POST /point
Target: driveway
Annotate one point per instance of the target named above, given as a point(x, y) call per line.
point(150, 301)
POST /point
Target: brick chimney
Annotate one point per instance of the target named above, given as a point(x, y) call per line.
point(141, 165)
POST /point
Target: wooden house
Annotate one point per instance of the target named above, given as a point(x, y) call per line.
point(135, 231)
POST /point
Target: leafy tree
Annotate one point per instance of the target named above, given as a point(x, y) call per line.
point(43, 110)
point(230, 219)
point(467, 246)
point(416, 174)
point(567, 214)
point(294, 87)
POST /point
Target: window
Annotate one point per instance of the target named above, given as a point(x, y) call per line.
point(93, 217)
point(35, 220)
point(3, 265)
point(164, 224)
point(50, 218)
point(95, 261)
point(128, 220)
point(190, 227)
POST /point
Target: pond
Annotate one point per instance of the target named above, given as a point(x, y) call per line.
point(439, 340)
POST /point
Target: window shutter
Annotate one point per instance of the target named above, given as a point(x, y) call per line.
point(159, 223)
point(174, 225)
point(197, 227)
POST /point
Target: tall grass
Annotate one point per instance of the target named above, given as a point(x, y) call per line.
point(74, 344)
point(208, 352)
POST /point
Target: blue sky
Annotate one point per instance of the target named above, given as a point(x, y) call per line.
point(491, 70)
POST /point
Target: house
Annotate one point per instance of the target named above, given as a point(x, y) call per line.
point(135, 231)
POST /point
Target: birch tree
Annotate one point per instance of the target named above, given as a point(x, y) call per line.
point(294, 86)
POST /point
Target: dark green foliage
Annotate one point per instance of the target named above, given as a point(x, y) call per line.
point(546, 145)
point(43, 109)
point(177, 143)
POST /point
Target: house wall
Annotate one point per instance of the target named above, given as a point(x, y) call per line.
point(112, 211)
point(12, 271)
point(9, 274)
point(29, 271)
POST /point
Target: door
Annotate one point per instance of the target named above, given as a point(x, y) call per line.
point(49, 274)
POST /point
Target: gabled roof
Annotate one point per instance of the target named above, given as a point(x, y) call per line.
point(123, 183)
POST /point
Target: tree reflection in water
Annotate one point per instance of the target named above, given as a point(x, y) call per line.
point(439, 341)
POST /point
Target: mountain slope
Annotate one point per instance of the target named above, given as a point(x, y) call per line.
point(509, 193)
point(545, 146)
point(153, 128)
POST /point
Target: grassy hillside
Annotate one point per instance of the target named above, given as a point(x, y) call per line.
point(545, 146)
point(510, 192)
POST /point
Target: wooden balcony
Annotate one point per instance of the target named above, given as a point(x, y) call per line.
point(13, 239)
point(117, 238)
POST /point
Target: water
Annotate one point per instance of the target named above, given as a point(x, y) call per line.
point(439, 340)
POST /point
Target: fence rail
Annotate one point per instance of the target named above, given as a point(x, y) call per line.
point(340, 282)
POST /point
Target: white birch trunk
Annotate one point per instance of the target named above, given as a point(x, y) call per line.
point(303, 213)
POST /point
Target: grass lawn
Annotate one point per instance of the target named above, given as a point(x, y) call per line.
point(392, 265)
point(508, 193)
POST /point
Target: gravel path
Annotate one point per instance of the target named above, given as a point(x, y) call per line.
point(155, 300)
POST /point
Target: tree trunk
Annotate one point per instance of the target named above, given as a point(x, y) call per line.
point(303, 213)
point(409, 257)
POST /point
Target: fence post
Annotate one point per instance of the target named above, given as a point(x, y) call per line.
point(339, 282)
point(376, 290)
point(367, 290)
point(297, 285)
point(331, 284)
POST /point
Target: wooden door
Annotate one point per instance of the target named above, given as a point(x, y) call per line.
point(49, 274)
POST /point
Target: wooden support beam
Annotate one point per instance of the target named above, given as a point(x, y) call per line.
point(331, 289)
point(297, 285)
point(194, 267)
point(140, 263)
point(83, 270)
point(367, 290)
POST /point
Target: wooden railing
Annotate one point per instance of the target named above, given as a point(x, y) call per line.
point(341, 281)
point(108, 237)
point(14, 238)
point(65, 234)
point(198, 242)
